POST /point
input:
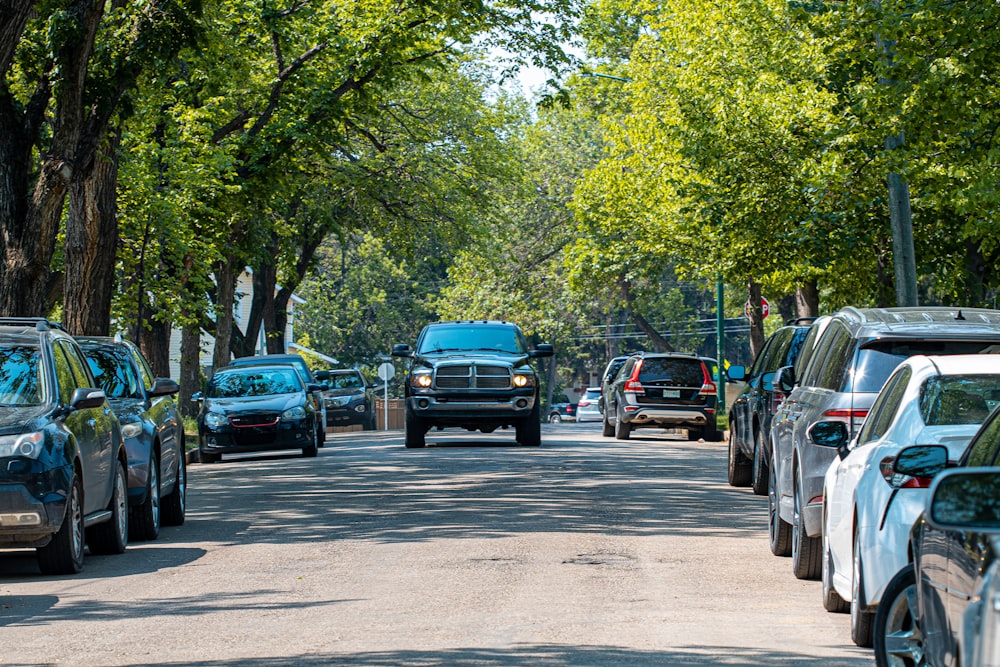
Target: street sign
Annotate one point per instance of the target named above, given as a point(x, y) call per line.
point(765, 308)
point(386, 371)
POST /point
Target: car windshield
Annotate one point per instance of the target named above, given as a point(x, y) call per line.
point(346, 381)
point(672, 371)
point(877, 362)
point(20, 380)
point(485, 337)
point(113, 372)
point(253, 382)
point(959, 399)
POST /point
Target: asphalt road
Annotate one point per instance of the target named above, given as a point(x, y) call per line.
point(474, 551)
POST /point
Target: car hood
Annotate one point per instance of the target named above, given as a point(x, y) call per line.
point(470, 356)
point(20, 419)
point(272, 403)
point(344, 392)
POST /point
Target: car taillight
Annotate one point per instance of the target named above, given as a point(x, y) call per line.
point(708, 387)
point(853, 416)
point(583, 404)
point(898, 481)
point(777, 399)
point(632, 384)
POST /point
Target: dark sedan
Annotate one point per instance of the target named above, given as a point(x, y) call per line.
point(349, 399)
point(151, 426)
point(255, 409)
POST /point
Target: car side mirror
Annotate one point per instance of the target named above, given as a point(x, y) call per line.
point(542, 350)
point(164, 387)
point(784, 379)
point(313, 386)
point(921, 461)
point(830, 434)
point(86, 398)
point(322, 375)
point(737, 373)
point(402, 350)
point(965, 499)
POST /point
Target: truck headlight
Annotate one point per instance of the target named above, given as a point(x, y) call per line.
point(524, 380)
point(422, 380)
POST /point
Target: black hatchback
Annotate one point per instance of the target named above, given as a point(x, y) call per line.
point(662, 390)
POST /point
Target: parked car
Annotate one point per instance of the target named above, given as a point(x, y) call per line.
point(869, 509)
point(853, 356)
point(256, 408)
point(348, 399)
point(662, 390)
point(925, 616)
point(62, 457)
point(610, 372)
point(309, 378)
point(474, 375)
point(750, 413)
point(588, 410)
point(153, 432)
point(562, 412)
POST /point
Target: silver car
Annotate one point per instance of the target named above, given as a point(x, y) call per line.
point(851, 357)
point(588, 409)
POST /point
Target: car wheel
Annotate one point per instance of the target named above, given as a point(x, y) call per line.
point(831, 598)
point(529, 431)
point(896, 638)
point(415, 431)
point(862, 620)
point(311, 450)
point(759, 475)
point(175, 505)
point(369, 424)
point(622, 430)
point(779, 533)
point(64, 554)
point(608, 429)
point(739, 466)
point(555, 418)
point(111, 537)
point(144, 519)
point(806, 551)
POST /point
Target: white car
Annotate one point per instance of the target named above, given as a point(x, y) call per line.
point(868, 510)
point(587, 410)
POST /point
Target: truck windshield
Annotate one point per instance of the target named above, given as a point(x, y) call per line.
point(467, 337)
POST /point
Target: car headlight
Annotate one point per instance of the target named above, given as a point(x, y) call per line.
point(524, 380)
point(338, 401)
point(132, 429)
point(215, 420)
point(421, 379)
point(291, 414)
point(28, 445)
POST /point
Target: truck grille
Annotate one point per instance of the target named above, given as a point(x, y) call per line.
point(474, 376)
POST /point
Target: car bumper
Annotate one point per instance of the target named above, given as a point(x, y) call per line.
point(884, 542)
point(638, 417)
point(257, 439)
point(471, 408)
point(27, 520)
point(589, 415)
point(347, 416)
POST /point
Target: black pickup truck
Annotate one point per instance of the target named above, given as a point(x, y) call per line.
point(474, 375)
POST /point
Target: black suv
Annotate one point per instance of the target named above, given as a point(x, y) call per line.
point(751, 411)
point(62, 457)
point(349, 399)
point(662, 390)
point(151, 426)
point(473, 375)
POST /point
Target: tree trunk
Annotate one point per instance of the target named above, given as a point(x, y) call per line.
point(659, 343)
point(807, 299)
point(154, 341)
point(756, 318)
point(91, 244)
point(225, 280)
point(190, 373)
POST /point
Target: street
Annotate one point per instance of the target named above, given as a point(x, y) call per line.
point(473, 551)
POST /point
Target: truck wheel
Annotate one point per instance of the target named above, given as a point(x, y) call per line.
point(415, 431)
point(529, 431)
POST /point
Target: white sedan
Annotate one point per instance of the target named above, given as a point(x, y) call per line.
point(867, 509)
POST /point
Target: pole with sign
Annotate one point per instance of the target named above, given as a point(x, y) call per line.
point(385, 373)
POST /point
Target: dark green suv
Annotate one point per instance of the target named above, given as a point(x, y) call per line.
point(62, 456)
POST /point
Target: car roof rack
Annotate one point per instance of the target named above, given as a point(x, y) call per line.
point(40, 323)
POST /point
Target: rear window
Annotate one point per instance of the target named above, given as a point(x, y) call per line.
point(672, 372)
point(877, 362)
point(959, 399)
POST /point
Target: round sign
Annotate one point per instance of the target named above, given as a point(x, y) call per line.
point(765, 308)
point(386, 371)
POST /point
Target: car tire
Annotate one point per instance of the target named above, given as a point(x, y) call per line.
point(369, 424)
point(739, 467)
point(144, 519)
point(64, 554)
point(894, 623)
point(415, 431)
point(529, 431)
point(111, 536)
point(832, 601)
point(779, 532)
point(712, 434)
point(862, 620)
point(759, 465)
point(174, 506)
point(608, 430)
point(807, 562)
point(311, 450)
point(555, 418)
point(622, 430)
